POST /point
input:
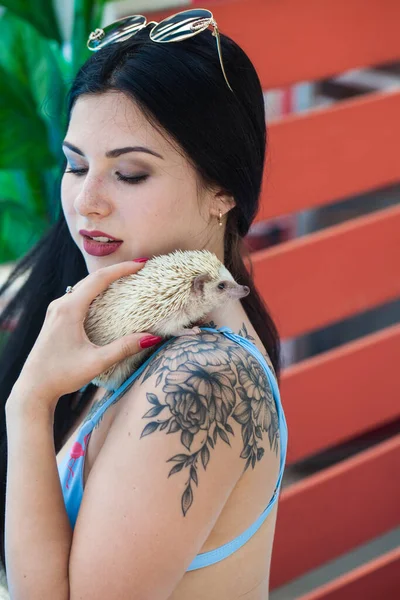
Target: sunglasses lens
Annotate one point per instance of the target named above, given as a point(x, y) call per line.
point(181, 26)
point(116, 32)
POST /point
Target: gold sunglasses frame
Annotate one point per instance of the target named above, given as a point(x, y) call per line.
point(94, 41)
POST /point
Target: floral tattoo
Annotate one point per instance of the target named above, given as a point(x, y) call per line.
point(198, 376)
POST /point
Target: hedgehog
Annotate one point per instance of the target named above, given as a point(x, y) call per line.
point(165, 298)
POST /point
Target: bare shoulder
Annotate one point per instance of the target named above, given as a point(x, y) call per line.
point(200, 413)
point(211, 385)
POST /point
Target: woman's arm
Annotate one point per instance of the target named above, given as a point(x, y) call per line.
point(38, 535)
point(170, 461)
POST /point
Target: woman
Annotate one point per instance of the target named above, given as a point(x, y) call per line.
point(164, 150)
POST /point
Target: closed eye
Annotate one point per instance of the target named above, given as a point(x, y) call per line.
point(133, 179)
point(76, 171)
point(127, 179)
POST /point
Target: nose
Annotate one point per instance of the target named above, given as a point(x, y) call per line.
point(92, 198)
point(246, 290)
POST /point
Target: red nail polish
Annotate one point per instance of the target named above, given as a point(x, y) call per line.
point(140, 259)
point(149, 340)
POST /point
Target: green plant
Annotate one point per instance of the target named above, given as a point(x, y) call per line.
point(36, 65)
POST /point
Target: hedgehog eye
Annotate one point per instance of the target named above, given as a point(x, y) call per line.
point(221, 286)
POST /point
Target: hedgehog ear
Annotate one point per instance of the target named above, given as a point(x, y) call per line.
point(198, 283)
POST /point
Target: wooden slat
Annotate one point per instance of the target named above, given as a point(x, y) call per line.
point(292, 40)
point(327, 276)
point(341, 394)
point(327, 155)
point(378, 579)
point(330, 513)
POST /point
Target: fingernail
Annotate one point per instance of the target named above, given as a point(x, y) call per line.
point(140, 259)
point(149, 340)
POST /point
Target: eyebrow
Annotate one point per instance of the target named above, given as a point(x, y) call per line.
point(117, 151)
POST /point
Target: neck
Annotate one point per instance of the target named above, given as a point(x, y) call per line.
point(231, 315)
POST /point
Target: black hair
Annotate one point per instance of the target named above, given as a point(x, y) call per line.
point(181, 90)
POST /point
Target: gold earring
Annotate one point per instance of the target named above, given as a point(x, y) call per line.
point(220, 218)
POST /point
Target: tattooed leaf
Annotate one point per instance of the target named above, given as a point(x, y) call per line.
point(209, 439)
point(152, 398)
point(173, 427)
point(258, 432)
point(245, 452)
point(247, 433)
point(222, 413)
point(205, 456)
point(175, 469)
point(247, 463)
point(244, 333)
point(152, 369)
point(253, 460)
point(153, 412)
point(150, 428)
point(178, 458)
point(271, 435)
point(242, 413)
point(187, 499)
point(229, 428)
point(212, 409)
point(158, 381)
point(215, 434)
point(224, 436)
point(164, 424)
point(193, 475)
point(187, 439)
point(243, 394)
point(260, 453)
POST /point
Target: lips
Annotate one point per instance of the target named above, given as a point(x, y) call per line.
point(97, 233)
point(100, 248)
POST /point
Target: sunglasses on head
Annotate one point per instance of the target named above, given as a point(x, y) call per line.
point(178, 27)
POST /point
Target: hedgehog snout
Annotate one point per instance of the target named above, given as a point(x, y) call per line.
point(239, 291)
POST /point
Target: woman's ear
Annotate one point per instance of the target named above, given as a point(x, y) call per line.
point(223, 202)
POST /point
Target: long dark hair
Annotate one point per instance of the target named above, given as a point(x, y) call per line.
point(181, 90)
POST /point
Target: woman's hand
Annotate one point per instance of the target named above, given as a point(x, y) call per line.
point(63, 359)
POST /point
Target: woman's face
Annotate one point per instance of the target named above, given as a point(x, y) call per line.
point(130, 184)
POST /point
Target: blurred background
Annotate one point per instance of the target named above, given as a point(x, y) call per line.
point(325, 248)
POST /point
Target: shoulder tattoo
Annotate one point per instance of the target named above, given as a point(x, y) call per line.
point(198, 377)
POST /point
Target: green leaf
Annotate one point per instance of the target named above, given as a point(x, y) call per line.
point(40, 13)
point(85, 13)
point(23, 135)
point(20, 229)
point(36, 77)
point(88, 15)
